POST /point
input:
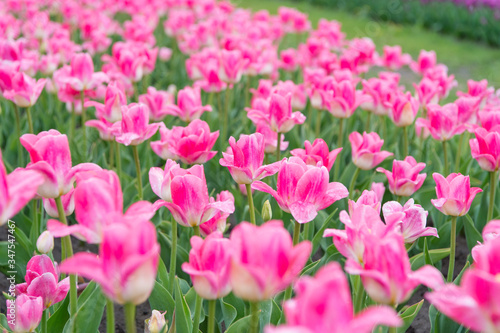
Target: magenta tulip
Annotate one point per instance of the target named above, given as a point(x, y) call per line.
point(24, 90)
point(442, 123)
point(219, 221)
point(114, 99)
point(134, 127)
point(157, 102)
point(317, 152)
point(405, 179)
point(485, 149)
point(189, 106)
point(403, 109)
point(366, 150)
point(454, 194)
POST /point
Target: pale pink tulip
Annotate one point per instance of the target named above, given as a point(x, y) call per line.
point(271, 138)
point(24, 313)
point(344, 99)
point(189, 106)
point(454, 194)
point(264, 260)
point(367, 198)
point(126, 265)
point(317, 152)
point(161, 180)
point(134, 127)
point(428, 91)
point(323, 304)
point(366, 150)
point(244, 159)
point(42, 280)
point(405, 179)
point(111, 110)
point(485, 149)
point(82, 76)
point(209, 265)
point(157, 102)
point(403, 109)
point(68, 203)
point(303, 190)
point(232, 66)
point(442, 121)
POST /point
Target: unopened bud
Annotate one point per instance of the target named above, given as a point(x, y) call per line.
point(156, 324)
point(267, 212)
point(45, 243)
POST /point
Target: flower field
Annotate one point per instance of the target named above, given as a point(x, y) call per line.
point(193, 166)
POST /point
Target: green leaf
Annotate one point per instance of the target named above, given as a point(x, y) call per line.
point(276, 314)
point(472, 235)
point(319, 234)
point(408, 315)
point(266, 308)
point(228, 312)
point(162, 273)
point(88, 317)
point(418, 260)
point(59, 318)
point(427, 256)
point(240, 325)
point(310, 268)
point(183, 321)
point(162, 300)
point(191, 302)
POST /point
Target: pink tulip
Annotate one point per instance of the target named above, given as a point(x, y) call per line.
point(16, 190)
point(244, 159)
point(189, 106)
point(191, 205)
point(394, 58)
point(232, 66)
point(426, 61)
point(98, 203)
point(403, 109)
point(468, 108)
point(303, 190)
point(454, 194)
point(412, 225)
point(42, 281)
point(344, 99)
point(263, 91)
point(490, 119)
point(114, 99)
point(68, 203)
point(428, 91)
point(442, 121)
point(134, 128)
point(190, 144)
point(485, 149)
point(386, 271)
point(209, 265)
point(379, 190)
point(439, 74)
point(367, 198)
point(277, 113)
point(380, 94)
point(475, 303)
point(323, 304)
point(50, 155)
point(106, 130)
point(271, 139)
point(82, 76)
point(264, 260)
point(24, 90)
point(25, 313)
point(157, 102)
point(405, 179)
point(317, 152)
point(165, 54)
point(366, 150)
point(127, 262)
point(478, 89)
point(219, 221)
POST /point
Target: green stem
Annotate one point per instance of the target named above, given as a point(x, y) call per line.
point(278, 147)
point(111, 156)
point(340, 140)
point(197, 314)
point(247, 90)
point(211, 316)
point(136, 92)
point(18, 130)
point(368, 121)
point(353, 183)
point(393, 329)
point(110, 316)
point(130, 318)
point(30, 120)
point(445, 156)
point(491, 207)
point(296, 235)
point(360, 293)
point(251, 207)
point(68, 250)
point(138, 170)
point(118, 160)
point(459, 152)
point(84, 119)
point(318, 123)
point(405, 141)
point(307, 228)
point(453, 239)
point(36, 221)
point(196, 231)
point(44, 321)
point(225, 116)
point(73, 123)
point(173, 257)
point(254, 323)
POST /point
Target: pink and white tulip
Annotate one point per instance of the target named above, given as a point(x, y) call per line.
point(24, 313)
point(134, 127)
point(317, 152)
point(366, 150)
point(405, 179)
point(454, 194)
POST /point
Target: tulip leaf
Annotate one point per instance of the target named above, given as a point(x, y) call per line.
point(183, 321)
point(91, 304)
point(238, 304)
point(229, 312)
point(162, 273)
point(240, 325)
point(191, 302)
point(472, 235)
point(427, 256)
point(266, 308)
point(443, 324)
point(310, 268)
point(162, 300)
point(4, 325)
point(59, 318)
point(408, 315)
point(319, 234)
point(418, 260)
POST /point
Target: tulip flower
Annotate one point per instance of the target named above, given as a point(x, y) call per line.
point(134, 127)
point(219, 221)
point(426, 61)
point(156, 323)
point(367, 198)
point(190, 144)
point(82, 76)
point(394, 58)
point(303, 190)
point(24, 90)
point(366, 153)
point(405, 179)
point(428, 92)
point(344, 99)
point(380, 94)
point(323, 304)
point(111, 110)
point(126, 265)
point(45, 242)
point(412, 225)
point(98, 201)
point(485, 149)
point(161, 180)
point(68, 204)
point(317, 152)
point(50, 156)
point(24, 313)
point(232, 66)
point(157, 102)
point(105, 128)
point(264, 260)
point(209, 265)
point(191, 205)
point(442, 121)
point(189, 106)
point(42, 280)
point(490, 119)
point(386, 271)
point(17, 189)
point(403, 109)
point(271, 139)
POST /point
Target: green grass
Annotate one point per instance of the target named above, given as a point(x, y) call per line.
point(465, 59)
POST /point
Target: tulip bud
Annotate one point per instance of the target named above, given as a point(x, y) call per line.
point(156, 323)
point(45, 242)
point(267, 211)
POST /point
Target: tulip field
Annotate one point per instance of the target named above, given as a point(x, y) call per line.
point(193, 166)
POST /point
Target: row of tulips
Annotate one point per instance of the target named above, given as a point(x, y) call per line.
point(297, 265)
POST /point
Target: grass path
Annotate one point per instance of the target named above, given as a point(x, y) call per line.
point(465, 59)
